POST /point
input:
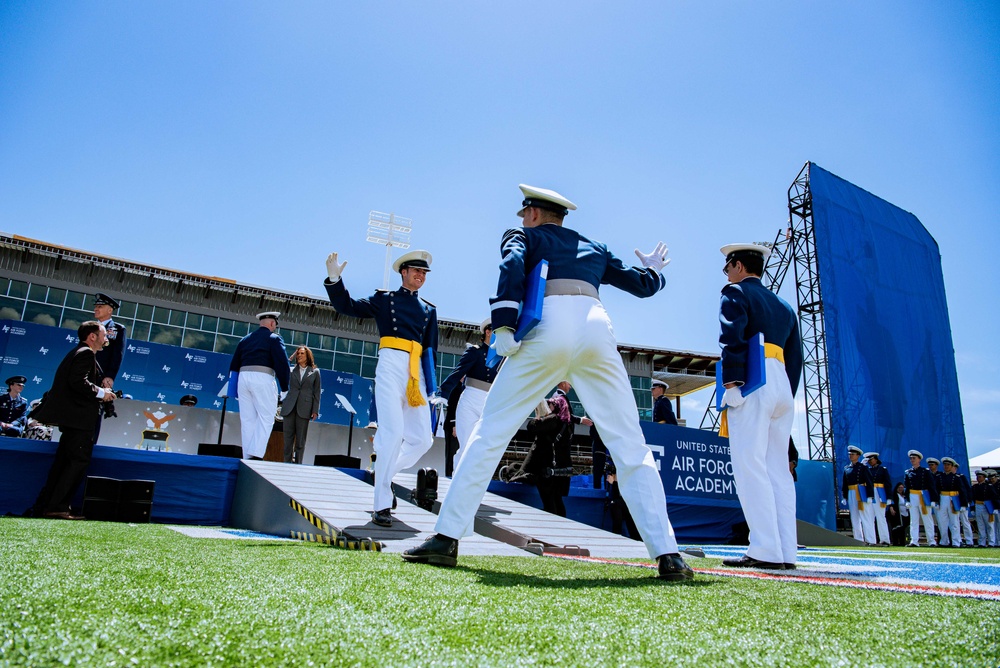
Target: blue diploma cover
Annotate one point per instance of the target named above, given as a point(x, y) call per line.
point(880, 493)
point(756, 373)
point(234, 382)
point(926, 494)
point(990, 509)
point(531, 309)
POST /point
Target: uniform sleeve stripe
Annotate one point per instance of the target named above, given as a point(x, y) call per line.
point(504, 304)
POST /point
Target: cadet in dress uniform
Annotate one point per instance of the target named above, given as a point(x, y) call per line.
point(478, 378)
point(574, 340)
point(760, 424)
point(950, 489)
point(941, 511)
point(994, 481)
point(883, 489)
point(859, 492)
point(109, 359)
point(259, 359)
point(663, 412)
point(407, 327)
point(985, 498)
point(916, 481)
point(14, 408)
point(963, 517)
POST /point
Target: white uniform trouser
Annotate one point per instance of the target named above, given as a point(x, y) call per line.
point(862, 521)
point(926, 516)
point(758, 446)
point(467, 414)
point(948, 523)
point(984, 522)
point(880, 522)
point(404, 431)
point(966, 527)
point(258, 395)
point(574, 342)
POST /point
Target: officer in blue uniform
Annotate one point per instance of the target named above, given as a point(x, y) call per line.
point(14, 408)
point(883, 490)
point(259, 359)
point(573, 341)
point(760, 424)
point(920, 488)
point(858, 489)
point(477, 378)
point(663, 412)
point(109, 360)
point(404, 376)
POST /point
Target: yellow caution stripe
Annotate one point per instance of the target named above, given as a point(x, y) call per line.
point(340, 540)
point(311, 518)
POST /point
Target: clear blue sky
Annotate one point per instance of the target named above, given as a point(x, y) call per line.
point(248, 140)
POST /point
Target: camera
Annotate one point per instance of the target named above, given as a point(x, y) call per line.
point(108, 407)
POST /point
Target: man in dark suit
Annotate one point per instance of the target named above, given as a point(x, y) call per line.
point(73, 403)
point(300, 405)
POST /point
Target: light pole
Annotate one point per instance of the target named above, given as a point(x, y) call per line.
point(389, 230)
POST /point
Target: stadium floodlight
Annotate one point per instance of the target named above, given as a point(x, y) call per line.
point(391, 231)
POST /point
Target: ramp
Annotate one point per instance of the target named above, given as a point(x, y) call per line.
point(519, 525)
point(265, 490)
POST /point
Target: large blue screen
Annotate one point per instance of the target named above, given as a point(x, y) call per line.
point(893, 384)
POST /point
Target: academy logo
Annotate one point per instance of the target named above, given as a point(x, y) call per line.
point(198, 359)
point(194, 387)
point(166, 369)
point(134, 377)
point(217, 403)
point(160, 396)
point(6, 328)
point(220, 376)
point(36, 380)
point(43, 350)
point(16, 331)
point(658, 451)
point(70, 338)
point(11, 360)
point(138, 350)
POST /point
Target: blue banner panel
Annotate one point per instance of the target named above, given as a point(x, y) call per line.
point(162, 373)
point(893, 382)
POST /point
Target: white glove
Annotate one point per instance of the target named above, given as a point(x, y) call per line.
point(505, 345)
point(907, 504)
point(657, 259)
point(333, 269)
point(933, 504)
point(437, 400)
point(733, 397)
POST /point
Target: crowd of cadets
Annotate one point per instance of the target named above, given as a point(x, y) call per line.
point(938, 498)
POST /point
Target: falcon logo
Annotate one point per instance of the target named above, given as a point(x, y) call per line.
point(158, 419)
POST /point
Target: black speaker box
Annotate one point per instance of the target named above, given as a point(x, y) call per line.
point(111, 500)
point(338, 461)
point(220, 450)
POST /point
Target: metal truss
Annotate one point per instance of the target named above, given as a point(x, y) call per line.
point(795, 247)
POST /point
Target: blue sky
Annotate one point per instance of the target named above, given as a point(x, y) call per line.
point(248, 140)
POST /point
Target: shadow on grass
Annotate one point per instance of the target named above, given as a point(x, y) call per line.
point(494, 578)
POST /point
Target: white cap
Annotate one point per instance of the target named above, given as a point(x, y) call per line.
point(268, 314)
point(933, 460)
point(486, 323)
point(729, 249)
point(949, 460)
point(663, 384)
point(915, 453)
point(544, 198)
point(855, 449)
point(869, 455)
point(417, 258)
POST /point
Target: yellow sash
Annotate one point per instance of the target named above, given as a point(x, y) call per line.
point(413, 396)
point(951, 507)
point(857, 495)
point(771, 351)
point(882, 485)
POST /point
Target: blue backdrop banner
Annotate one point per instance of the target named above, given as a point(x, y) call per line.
point(893, 383)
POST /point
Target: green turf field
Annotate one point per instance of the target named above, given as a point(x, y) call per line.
point(95, 594)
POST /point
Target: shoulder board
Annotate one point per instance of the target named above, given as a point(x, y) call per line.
point(428, 303)
point(848, 468)
point(378, 290)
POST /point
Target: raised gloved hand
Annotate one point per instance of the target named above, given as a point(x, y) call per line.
point(333, 269)
point(655, 260)
point(733, 397)
point(505, 345)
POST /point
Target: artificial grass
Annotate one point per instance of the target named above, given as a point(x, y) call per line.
point(87, 593)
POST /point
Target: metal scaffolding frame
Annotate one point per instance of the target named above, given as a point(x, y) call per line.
point(795, 247)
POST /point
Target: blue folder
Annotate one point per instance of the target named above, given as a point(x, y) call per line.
point(531, 309)
point(926, 493)
point(756, 373)
point(989, 507)
point(880, 494)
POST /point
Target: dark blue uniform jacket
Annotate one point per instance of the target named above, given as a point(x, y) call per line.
point(860, 475)
point(15, 412)
point(472, 365)
point(109, 358)
point(663, 411)
point(921, 478)
point(400, 313)
point(262, 348)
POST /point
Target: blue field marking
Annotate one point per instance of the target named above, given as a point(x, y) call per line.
point(246, 533)
point(879, 567)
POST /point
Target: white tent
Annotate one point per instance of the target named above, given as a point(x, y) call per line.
point(989, 459)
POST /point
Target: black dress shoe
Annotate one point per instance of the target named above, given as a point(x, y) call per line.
point(438, 550)
point(383, 518)
point(672, 567)
point(749, 562)
point(788, 566)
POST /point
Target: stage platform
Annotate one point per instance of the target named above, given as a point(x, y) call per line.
point(265, 490)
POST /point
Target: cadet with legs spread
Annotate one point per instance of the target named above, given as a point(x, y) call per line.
point(259, 360)
point(407, 325)
point(574, 340)
point(921, 490)
point(760, 424)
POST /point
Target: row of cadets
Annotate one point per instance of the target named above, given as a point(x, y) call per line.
point(921, 490)
point(859, 492)
point(883, 495)
point(477, 377)
point(986, 494)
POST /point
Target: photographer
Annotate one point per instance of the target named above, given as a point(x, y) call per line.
point(73, 403)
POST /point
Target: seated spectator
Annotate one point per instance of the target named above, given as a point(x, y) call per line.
point(14, 408)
